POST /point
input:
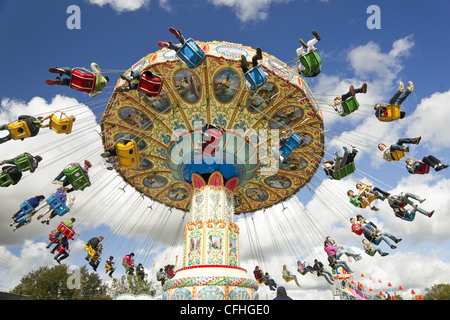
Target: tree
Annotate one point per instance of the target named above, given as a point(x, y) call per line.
point(131, 284)
point(52, 284)
point(438, 292)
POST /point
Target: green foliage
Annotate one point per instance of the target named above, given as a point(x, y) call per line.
point(52, 284)
point(131, 285)
point(438, 292)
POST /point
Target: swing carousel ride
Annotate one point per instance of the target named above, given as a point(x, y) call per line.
point(161, 135)
point(196, 131)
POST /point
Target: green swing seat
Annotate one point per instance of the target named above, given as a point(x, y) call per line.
point(370, 252)
point(344, 171)
point(77, 177)
point(5, 180)
point(348, 106)
point(311, 63)
point(25, 162)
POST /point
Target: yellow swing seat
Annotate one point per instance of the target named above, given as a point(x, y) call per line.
point(61, 125)
point(397, 155)
point(370, 199)
point(393, 113)
point(19, 130)
point(127, 154)
point(89, 250)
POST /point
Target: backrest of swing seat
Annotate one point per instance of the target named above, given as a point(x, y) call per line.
point(77, 177)
point(21, 218)
point(311, 62)
point(107, 266)
point(60, 125)
point(191, 54)
point(343, 172)
point(292, 143)
point(256, 77)
point(350, 105)
point(65, 230)
point(52, 238)
point(425, 169)
point(149, 85)
point(56, 204)
point(5, 180)
point(19, 130)
point(370, 199)
point(397, 155)
point(24, 163)
point(393, 113)
point(127, 154)
point(82, 81)
point(26, 207)
point(89, 250)
point(61, 249)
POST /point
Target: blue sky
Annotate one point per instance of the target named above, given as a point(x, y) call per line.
point(411, 45)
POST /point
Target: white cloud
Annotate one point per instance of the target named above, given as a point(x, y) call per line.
point(430, 119)
point(130, 5)
point(249, 10)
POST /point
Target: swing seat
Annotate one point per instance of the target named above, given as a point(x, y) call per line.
point(82, 81)
point(311, 63)
point(19, 130)
point(425, 168)
point(21, 219)
point(61, 249)
point(212, 142)
point(370, 199)
point(127, 154)
point(61, 125)
point(56, 204)
point(397, 155)
point(343, 172)
point(288, 279)
point(370, 252)
point(348, 106)
point(65, 230)
point(289, 146)
point(126, 265)
point(52, 238)
point(256, 77)
point(392, 113)
point(77, 177)
point(108, 267)
point(5, 180)
point(26, 208)
point(151, 86)
point(89, 250)
point(191, 54)
point(24, 163)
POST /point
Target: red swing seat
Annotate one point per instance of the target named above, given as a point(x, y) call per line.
point(61, 249)
point(424, 169)
point(212, 143)
point(82, 81)
point(150, 85)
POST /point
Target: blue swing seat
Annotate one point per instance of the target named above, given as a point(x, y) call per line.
point(56, 204)
point(256, 77)
point(26, 208)
point(289, 146)
point(191, 54)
